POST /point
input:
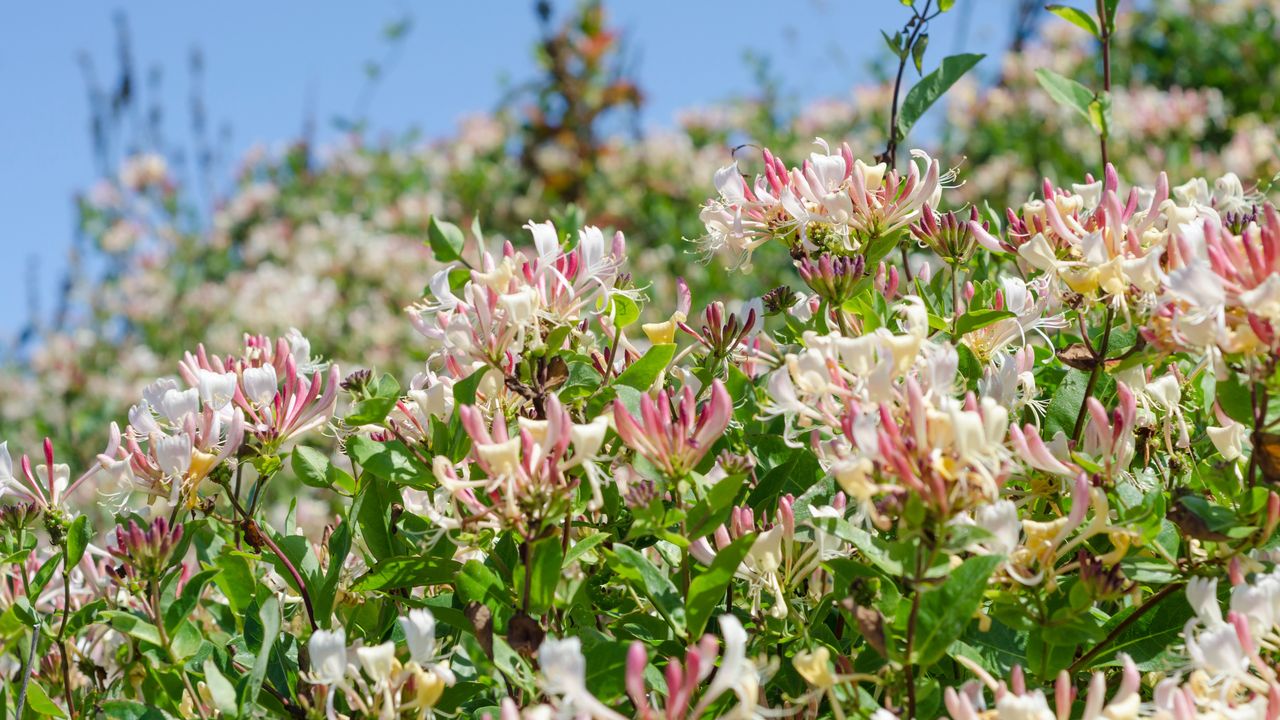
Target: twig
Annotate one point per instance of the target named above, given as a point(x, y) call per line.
point(1099, 361)
point(1133, 617)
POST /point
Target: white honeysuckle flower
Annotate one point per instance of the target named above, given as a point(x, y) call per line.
point(1258, 602)
point(173, 453)
point(1216, 649)
point(1230, 439)
point(378, 661)
point(420, 635)
point(1202, 595)
point(1028, 706)
point(328, 651)
point(6, 463)
point(1264, 300)
point(564, 675)
point(153, 392)
point(142, 420)
point(175, 405)
point(260, 384)
point(217, 390)
point(736, 673)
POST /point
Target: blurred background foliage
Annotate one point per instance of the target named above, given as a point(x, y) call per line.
point(331, 239)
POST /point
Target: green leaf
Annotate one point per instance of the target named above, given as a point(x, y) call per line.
point(1077, 17)
point(1100, 114)
point(390, 461)
point(1151, 639)
point(269, 616)
point(445, 239)
point(917, 52)
point(464, 391)
point(187, 600)
point(220, 689)
point(78, 538)
point(39, 702)
point(945, 5)
point(945, 611)
point(310, 466)
point(132, 625)
point(479, 583)
point(130, 710)
point(580, 548)
point(644, 372)
point(978, 319)
point(711, 511)
point(1065, 403)
point(653, 584)
point(624, 310)
point(1065, 91)
point(933, 86)
point(407, 572)
point(547, 560)
point(707, 588)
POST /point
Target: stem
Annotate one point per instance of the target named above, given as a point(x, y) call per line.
point(911, 635)
point(1134, 616)
point(1259, 404)
point(297, 577)
point(955, 291)
point(1105, 37)
point(31, 653)
point(168, 648)
point(916, 25)
point(1099, 362)
point(62, 635)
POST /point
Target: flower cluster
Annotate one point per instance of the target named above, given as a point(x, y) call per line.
point(960, 461)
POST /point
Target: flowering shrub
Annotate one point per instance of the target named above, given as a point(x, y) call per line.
point(960, 462)
point(982, 489)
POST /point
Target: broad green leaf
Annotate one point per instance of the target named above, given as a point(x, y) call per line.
point(220, 689)
point(546, 563)
point(707, 589)
point(945, 612)
point(132, 625)
point(1077, 17)
point(653, 584)
point(1152, 639)
point(978, 319)
point(476, 582)
point(445, 239)
point(464, 391)
point(269, 617)
point(407, 572)
point(310, 466)
point(711, 511)
point(1065, 403)
point(39, 702)
point(643, 372)
point(130, 710)
point(933, 86)
point(186, 602)
point(1065, 91)
point(917, 52)
point(390, 461)
point(945, 5)
point(78, 538)
point(1100, 114)
point(624, 310)
point(580, 548)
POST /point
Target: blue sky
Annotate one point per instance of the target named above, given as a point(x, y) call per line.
point(266, 62)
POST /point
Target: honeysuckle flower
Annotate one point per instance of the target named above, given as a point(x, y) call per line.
point(328, 652)
point(378, 661)
point(672, 433)
point(564, 672)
